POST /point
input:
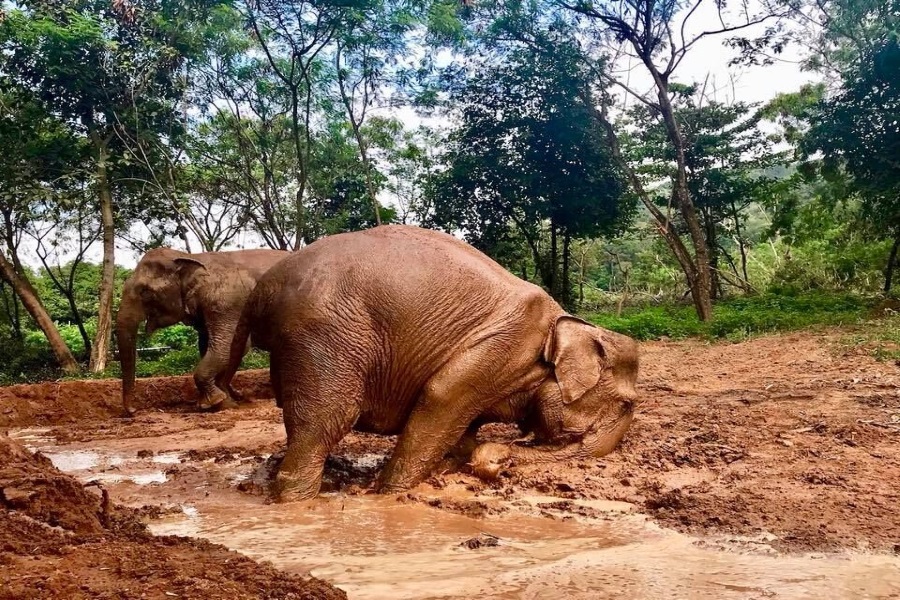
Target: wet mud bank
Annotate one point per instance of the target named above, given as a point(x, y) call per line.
point(59, 539)
point(754, 470)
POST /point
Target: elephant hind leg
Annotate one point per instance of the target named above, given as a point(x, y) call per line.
point(316, 418)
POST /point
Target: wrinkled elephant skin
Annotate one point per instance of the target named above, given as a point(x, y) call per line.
point(402, 330)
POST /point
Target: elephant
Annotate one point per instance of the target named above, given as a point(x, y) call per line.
point(409, 331)
point(205, 290)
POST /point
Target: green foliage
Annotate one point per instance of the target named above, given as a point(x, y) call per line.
point(183, 361)
point(859, 130)
point(738, 318)
point(528, 165)
point(880, 339)
point(177, 337)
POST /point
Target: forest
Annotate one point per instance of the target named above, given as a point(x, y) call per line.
point(563, 138)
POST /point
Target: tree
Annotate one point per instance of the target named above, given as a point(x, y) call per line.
point(341, 183)
point(858, 131)
point(728, 158)
point(293, 37)
point(655, 33)
point(372, 41)
point(530, 154)
point(411, 162)
point(111, 72)
point(245, 143)
point(37, 154)
point(71, 226)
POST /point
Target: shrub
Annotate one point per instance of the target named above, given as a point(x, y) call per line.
point(738, 318)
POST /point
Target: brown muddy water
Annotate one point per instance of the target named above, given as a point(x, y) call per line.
point(377, 547)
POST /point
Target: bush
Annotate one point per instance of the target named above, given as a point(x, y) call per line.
point(184, 360)
point(175, 337)
point(26, 362)
point(738, 318)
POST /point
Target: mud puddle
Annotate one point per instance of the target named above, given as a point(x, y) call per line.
point(379, 547)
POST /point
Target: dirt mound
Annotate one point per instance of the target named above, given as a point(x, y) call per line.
point(54, 403)
point(59, 540)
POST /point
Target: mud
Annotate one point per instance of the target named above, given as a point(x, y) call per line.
point(761, 469)
point(59, 540)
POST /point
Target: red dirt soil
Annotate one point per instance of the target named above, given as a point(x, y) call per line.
point(791, 435)
point(59, 540)
point(58, 402)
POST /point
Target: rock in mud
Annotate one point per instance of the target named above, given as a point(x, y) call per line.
point(483, 540)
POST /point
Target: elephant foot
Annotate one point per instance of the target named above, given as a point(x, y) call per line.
point(238, 397)
point(289, 488)
point(215, 401)
point(489, 459)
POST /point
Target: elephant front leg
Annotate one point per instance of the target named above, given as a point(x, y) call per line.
point(209, 370)
point(453, 398)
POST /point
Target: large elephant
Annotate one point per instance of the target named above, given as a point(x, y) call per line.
point(402, 330)
point(205, 290)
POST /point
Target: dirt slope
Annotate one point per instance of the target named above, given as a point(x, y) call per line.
point(59, 540)
point(56, 402)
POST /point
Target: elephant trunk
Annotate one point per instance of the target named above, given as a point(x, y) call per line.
point(488, 459)
point(127, 322)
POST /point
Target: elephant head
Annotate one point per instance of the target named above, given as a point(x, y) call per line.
point(585, 405)
point(154, 293)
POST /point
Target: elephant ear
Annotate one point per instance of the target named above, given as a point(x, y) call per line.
point(187, 260)
point(574, 349)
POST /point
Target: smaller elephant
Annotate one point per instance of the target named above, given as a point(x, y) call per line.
point(402, 330)
point(205, 290)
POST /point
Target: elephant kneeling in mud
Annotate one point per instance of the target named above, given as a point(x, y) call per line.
point(205, 290)
point(402, 330)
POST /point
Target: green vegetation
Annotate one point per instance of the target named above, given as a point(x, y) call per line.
point(738, 318)
point(880, 339)
point(565, 140)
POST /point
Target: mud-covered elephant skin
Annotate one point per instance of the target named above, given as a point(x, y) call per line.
point(402, 330)
point(205, 290)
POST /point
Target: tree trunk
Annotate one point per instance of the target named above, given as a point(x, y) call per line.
point(32, 303)
point(741, 244)
point(891, 264)
point(11, 307)
point(100, 348)
point(76, 314)
point(357, 133)
point(709, 225)
point(581, 269)
point(554, 261)
point(698, 278)
point(688, 265)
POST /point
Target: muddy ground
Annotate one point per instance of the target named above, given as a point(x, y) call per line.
point(783, 445)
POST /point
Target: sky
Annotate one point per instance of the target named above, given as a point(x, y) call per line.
point(708, 60)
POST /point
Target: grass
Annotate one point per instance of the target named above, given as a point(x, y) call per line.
point(739, 318)
point(879, 338)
